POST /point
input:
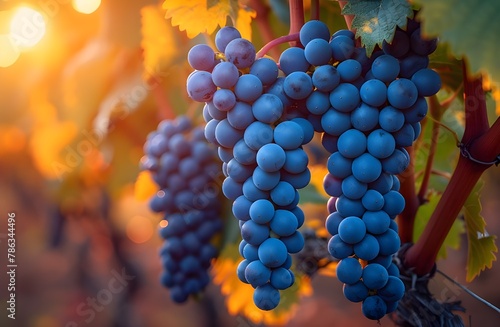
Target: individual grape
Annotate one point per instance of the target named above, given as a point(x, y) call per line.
point(248, 88)
point(254, 233)
point(427, 82)
point(293, 60)
point(224, 36)
point(349, 270)
point(368, 248)
point(335, 122)
point(272, 252)
point(226, 135)
point(376, 222)
point(238, 172)
point(240, 116)
point(225, 75)
point(338, 248)
point(348, 207)
point(295, 160)
point(352, 143)
point(380, 144)
point(374, 307)
point(283, 194)
point(338, 165)
point(244, 154)
point(352, 188)
point(421, 46)
point(332, 185)
point(345, 97)
point(307, 129)
point(281, 278)
point(252, 192)
point(264, 180)
point(417, 111)
point(397, 162)
point(289, 135)
point(298, 85)
point(318, 102)
point(393, 290)
point(365, 117)
point(325, 78)
point(402, 93)
point(404, 136)
point(200, 86)
point(241, 208)
point(391, 119)
point(313, 29)
point(411, 64)
point(231, 188)
point(201, 57)
point(257, 274)
point(372, 200)
point(394, 203)
point(224, 100)
point(375, 276)
point(352, 230)
point(373, 92)
point(271, 157)
point(329, 142)
point(268, 108)
point(284, 223)
point(356, 292)
point(318, 52)
point(342, 47)
point(266, 70)
point(385, 68)
point(388, 242)
point(349, 70)
point(332, 222)
point(294, 243)
point(258, 134)
point(240, 52)
point(266, 297)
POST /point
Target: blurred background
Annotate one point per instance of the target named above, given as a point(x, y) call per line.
point(81, 85)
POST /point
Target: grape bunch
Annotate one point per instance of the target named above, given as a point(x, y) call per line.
point(184, 166)
point(368, 110)
point(259, 138)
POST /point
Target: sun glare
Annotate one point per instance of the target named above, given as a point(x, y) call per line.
point(27, 28)
point(8, 53)
point(86, 6)
point(139, 229)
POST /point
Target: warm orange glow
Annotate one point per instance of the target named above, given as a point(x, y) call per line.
point(139, 229)
point(27, 28)
point(86, 6)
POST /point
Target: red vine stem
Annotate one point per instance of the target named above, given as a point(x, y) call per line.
point(484, 145)
point(314, 10)
point(280, 40)
point(296, 18)
point(348, 18)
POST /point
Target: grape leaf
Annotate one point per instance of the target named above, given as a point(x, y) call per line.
point(424, 213)
point(239, 295)
point(482, 247)
point(201, 16)
point(376, 20)
point(470, 27)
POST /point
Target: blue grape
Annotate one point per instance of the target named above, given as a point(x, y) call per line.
point(225, 75)
point(293, 60)
point(224, 100)
point(298, 85)
point(268, 108)
point(349, 70)
point(385, 68)
point(391, 119)
point(240, 52)
point(368, 248)
point(427, 82)
point(352, 230)
point(266, 70)
point(224, 36)
point(399, 46)
point(365, 117)
point(349, 270)
point(325, 78)
point(258, 134)
point(240, 116)
point(284, 223)
point(380, 144)
point(257, 274)
point(289, 135)
point(352, 188)
point(200, 86)
point(338, 248)
point(335, 122)
point(266, 297)
point(248, 88)
point(345, 97)
point(372, 200)
point(271, 157)
point(272, 252)
point(373, 92)
point(356, 292)
point(313, 29)
point(374, 307)
point(202, 57)
point(342, 47)
point(318, 52)
point(376, 222)
point(402, 93)
point(318, 103)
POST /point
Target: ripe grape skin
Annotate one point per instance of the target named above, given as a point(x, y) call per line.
point(289, 135)
point(257, 274)
point(391, 119)
point(335, 122)
point(373, 200)
point(380, 144)
point(254, 233)
point(338, 248)
point(349, 70)
point(284, 223)
point(224, 100)
point(318, 52)
point(397, 162)
point(338, 165)
point(258, 134)
point(313, 29)
point(349, 270)
point(374, 307)
point(332, 222)
point(399, 46)
point(298, 85)
point(342, 47)
point(325, 78)
point(224, 36)
point(281, 278)
point(368, 248)
point(295, 161)
point(240, 52)
point(345, 97)
point(271, 157)
point(365, 117)
point(427, 82)
point(385, 68)
point(248, 88)
point(318, 102)
point(240, 116)
point(402, 93)
point(356, 292)
point(202, 57)
point(266, 297)
point(352, 230)
point(241, 208)
point(272, 252)
point(294, 243)
point(417, 111)
point(376, 222)
point(225, 75)
point(268, 108)
point(266, 70)
point(404, 136)
point(373, 92)
point(352, 143)
point(352, 188)
point(375, 276)
point(293, 60)
point(200, 86)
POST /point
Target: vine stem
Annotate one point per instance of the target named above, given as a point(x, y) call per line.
point(484, 145)
point(296, 18)
point(274, 43)
point(314, 10)
point(348, 18)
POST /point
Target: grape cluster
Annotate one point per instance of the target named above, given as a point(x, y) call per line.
point(368, 110)
point(184, 166)
point(259, 139)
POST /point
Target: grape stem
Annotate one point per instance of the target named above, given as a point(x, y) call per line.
point(348, 18)
point(296, 16)
point(484, 145)
point(280, 40)
point(314, 10)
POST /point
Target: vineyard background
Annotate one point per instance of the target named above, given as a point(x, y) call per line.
point(80, 218)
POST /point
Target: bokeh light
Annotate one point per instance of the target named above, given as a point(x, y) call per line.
point(8, 53)
point(86, 6)
point(139, 229)
point(27, 28)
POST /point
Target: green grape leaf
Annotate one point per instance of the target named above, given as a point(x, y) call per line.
point(470, 27)
point(424, 213)
point(482, 247)
point(375, 21)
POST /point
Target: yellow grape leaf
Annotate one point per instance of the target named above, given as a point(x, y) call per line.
point(243, 22)
point(158, 41)
point(239, 296)
point(482, 247)
point(199, 16)
point(144, 187)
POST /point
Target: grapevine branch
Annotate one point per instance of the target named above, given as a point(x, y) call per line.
point(274, 43)
point(262, 20)
point(483, 144)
